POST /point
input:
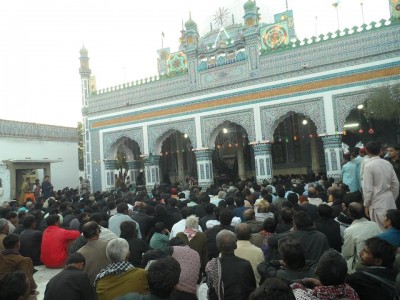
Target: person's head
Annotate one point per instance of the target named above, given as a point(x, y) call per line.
point(29, 222)
point(159, 227)
point(76, 260)
point(176, 241)
point(378, 252)
point(221, 195)
point(273, 289)
point(356, 210)
point(393, 151)
point(249, 214)
point(96, 217)
point(392, 219)
point(4, 228)
point(280, 191)
point(239, 201)
point(163, 276)
point(293, 198)
point(292, 253)
point(192, 222)
point(209, 208)
point(331, 268)
point(226, 241)
point(15, 286)
point(11, 241)
point(302, 220)
point(122, 208)
point(47, 178)
point(117, 250)
point(53, 220)
point(186, 212)
point(338, 194)
point(324, 211)
point(373, 148)
point(12, 217)
point(287, 215)
point(128, 229)
point(312, 192)
point(243, 232)
point(269, 225)
point(91, 230)
point(225, 216)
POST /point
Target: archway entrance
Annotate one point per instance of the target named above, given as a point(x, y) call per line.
point(177, 161)
point(233, 157)
point(297, 149)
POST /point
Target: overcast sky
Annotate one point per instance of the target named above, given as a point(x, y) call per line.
point(40, 42)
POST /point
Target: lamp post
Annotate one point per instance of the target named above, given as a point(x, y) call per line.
point(362, 11)
point(336, 5)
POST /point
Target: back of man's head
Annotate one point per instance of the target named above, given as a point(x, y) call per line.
point(269, 225)
point(249, 214)
point(11, 241)
point(29, 220)
point(163, 276)
point(52, 220)
point(122, 208)
point(75, 258)
point(332, 268)
point(325, 211)
point(292, 253)
point(225, 216)
point(280, 191)
point(293, 198)
point(373, 148)
point(273, 288)
point(302, 220)
point(356, 210)
point(90, 230)
point(243, 232)
point(226, 241)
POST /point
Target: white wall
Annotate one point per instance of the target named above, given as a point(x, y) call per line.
point(65, 173)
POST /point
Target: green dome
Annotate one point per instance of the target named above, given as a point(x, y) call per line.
point(190, 24)
point(249, 5)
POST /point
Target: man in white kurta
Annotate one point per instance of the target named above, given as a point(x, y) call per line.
point(380, 185)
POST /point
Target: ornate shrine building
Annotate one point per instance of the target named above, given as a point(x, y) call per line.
point(245, 100)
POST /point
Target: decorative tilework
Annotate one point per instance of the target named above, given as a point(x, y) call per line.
point(208, 171)
point(334, 160)
point(202, 171)
point(269, 166)
point(262, 167)
point(109, 138)
point(223, 75)
point(272, 115)
point(158, 133)
point(96, 169)
point(211, 125)
point(33, 131)
point(326, 162)
point(344, 103)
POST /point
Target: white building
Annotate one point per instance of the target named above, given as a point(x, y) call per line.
point(34, 150)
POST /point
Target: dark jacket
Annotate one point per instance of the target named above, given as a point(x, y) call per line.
point(30, 243)
point(211, 235)
point(273, 269)
point(331, 229)
point(313, 242)
point(137, 248)
point(70, 283)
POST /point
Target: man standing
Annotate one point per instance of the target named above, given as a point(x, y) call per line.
point(351, 173)
point(70, 283)
point(25, 188)
point(94, 251)
point(380, 185)
point(229, 277)
point(393, 157)
point(4, 229)
point(47, 188)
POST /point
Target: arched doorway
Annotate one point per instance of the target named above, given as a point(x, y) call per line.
point(124, 160)
point(233, 158)
point(177, 161)
point(297, 149)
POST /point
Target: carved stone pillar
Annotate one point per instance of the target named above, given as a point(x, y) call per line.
point(333, 155)
point(152, 171)
point(263, 161)
point(204, 167)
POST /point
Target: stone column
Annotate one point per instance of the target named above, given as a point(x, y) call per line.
point(204, 167)
point(240, 158)
point(263, 161)
point(109, 166)
point(333, 155)
point(152, 171)
point(179, 158)
point(314, 155)
point(134, 170)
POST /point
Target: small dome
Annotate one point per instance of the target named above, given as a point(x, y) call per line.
point(249, 5)
point(190, 24)
point(83, 51)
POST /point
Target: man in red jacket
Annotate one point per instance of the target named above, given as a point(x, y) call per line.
point(55, 242)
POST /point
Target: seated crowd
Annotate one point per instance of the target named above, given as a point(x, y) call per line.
point(293, 238)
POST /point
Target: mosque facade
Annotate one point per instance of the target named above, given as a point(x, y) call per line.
point(247, 98)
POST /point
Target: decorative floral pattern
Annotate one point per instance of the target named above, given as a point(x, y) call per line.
point(109, 138)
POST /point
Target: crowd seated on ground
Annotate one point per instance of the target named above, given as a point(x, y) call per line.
point(294, 237)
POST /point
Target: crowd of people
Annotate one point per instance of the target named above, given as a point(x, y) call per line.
point(295, 237)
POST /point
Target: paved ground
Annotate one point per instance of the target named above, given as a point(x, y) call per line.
point(42, 277)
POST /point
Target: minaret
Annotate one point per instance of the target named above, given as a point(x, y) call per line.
point(85, 72)
point(251, 16)
point(191, 36)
